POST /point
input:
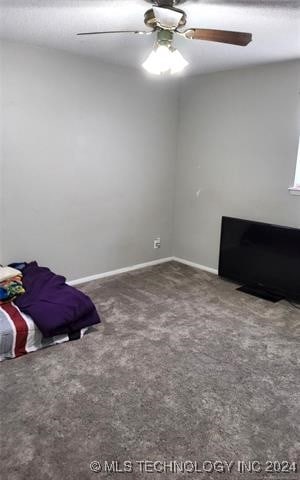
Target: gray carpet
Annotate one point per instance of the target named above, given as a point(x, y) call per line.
point(183, 368)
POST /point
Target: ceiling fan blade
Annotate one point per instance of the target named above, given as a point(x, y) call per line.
point(167, 17)
point(222, 36)
point(117, 31)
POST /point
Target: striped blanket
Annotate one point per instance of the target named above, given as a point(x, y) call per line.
point(19, 334)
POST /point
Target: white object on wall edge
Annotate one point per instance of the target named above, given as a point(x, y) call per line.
point(294, 191)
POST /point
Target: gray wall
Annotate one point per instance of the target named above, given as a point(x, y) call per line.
point(1, 159)
point(88, 162)
point(88, 159)
point(237, 153)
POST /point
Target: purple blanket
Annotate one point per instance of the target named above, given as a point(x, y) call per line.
point(55, 307)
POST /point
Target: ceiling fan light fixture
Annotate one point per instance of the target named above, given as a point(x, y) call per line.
point(158, 61)
point(164, 59)
point(166, 21)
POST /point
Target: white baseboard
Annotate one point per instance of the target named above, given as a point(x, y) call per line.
point(97, 276)
point(196, 265)
point(119, 270)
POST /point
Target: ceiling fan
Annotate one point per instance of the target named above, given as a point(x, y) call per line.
point(166, 20)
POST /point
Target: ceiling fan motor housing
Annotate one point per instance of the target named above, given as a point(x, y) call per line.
point(151, 22)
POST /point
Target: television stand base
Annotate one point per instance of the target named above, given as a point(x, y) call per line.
point(260, 292)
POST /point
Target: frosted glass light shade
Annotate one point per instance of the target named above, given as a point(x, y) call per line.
point(178, 62)
point(164, 59)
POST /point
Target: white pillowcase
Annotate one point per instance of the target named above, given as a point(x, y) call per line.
point(8, 272)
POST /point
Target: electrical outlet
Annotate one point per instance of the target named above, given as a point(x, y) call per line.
point(156, 243)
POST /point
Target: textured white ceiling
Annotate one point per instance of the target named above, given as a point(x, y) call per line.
point(54, 23)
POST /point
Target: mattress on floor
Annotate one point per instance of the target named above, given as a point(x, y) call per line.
point(19, 334)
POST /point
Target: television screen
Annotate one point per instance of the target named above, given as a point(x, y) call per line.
point(261, 254)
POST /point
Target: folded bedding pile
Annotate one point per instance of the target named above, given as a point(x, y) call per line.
point(10, 284)
point(47, 312)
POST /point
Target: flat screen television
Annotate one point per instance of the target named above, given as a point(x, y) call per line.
point(264, 257)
